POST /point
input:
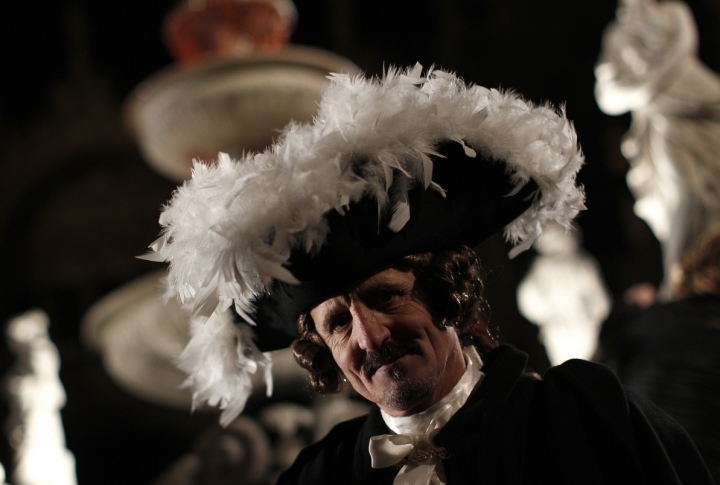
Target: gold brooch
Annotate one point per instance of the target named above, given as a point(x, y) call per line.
point(418, 456)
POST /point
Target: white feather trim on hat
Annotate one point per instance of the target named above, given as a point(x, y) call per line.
point(229, 231)
point(219, 360)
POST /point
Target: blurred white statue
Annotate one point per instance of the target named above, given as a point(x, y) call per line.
point(648, 66)
point(36, 397)
point(564, 295)
point(2, 475)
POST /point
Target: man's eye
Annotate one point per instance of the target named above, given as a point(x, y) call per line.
point(340, 322)
point(385, 296)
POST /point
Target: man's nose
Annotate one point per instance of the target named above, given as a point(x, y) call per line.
point(369, 328)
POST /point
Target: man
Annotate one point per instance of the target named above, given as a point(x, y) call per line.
point(350, 239)
point(575, 426)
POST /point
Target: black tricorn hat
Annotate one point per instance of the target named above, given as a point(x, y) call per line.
point(474, 205)
point(390, 167)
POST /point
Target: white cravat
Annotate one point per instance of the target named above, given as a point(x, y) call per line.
point(412, 442)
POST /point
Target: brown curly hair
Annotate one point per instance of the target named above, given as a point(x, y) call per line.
point(699, 270)
point(452, 281)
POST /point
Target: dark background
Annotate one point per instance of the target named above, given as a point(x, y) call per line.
point(77, 201)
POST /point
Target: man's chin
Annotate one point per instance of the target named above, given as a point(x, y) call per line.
point(400, 389)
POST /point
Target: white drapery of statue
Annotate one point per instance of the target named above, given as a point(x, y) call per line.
point(648, 66)
point(564, 294)
point(36, 397)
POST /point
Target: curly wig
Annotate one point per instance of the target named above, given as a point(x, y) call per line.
point(451, 281)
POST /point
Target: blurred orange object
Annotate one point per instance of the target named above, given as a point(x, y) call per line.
point(196, 30)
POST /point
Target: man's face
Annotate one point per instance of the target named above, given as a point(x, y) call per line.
point(388, 345)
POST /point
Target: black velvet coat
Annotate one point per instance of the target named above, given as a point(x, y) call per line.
point(576, 426)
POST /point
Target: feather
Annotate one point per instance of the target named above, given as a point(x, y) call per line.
point(152, 256)
point(220, 359)
point(439, 189)
point(427, 169)
point(400, 217)
point(388, 175)
point(277, 271)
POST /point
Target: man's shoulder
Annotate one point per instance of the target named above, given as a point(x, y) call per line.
point(585, 376)
point(593, 384)
point(584, 403)
point(334, 453)
point(342, 435)
point(572, 381)
point(344, 430)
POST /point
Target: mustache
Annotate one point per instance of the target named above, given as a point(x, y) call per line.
point(389, 351)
